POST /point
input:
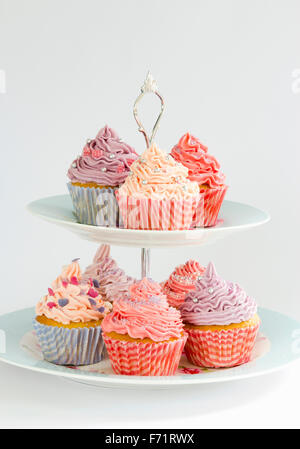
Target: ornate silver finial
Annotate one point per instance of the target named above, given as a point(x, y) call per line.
point(149, 86)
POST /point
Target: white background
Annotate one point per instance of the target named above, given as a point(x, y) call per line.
point(228, 72)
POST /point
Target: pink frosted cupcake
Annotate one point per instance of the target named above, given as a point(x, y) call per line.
point(108, 278)
point(221, 321)
point(182, 281)
point(157, 194)
point(68, 320)
point(204, 169)
point(143, 335)
point(96, 174)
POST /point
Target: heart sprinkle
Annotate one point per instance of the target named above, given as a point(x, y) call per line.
point(92, 302)
point(74, 280)
point(96, 154)
point(121, 168)
point(51, 305)
point(96, 283)
point(92, 293)
point(63, 302)
point(86, 151)
point(51, 292)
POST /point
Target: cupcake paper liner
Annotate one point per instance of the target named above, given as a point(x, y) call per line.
point(167, 215)
point(207, 212)
point(220, 349)
point(95, 206)
point(132, 358)
point(64, 346)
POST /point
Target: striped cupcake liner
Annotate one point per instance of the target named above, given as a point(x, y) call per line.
point(95, 206)
point(220, 349)
point(208, 211)
point(64, 346)
point(132, 358)
point(166, 215)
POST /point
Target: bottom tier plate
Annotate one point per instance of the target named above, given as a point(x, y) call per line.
point(277, 345)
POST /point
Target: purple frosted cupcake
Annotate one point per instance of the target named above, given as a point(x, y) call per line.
point(221, 322)
point(96, 174)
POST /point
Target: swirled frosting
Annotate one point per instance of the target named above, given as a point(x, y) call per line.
point(70, 299)
point(69, 273)
point(157, 175)
point(217, 302)
point(112, 282)
point(181, 281)
point(144, 314)
point(203, 168)
point(105, 160)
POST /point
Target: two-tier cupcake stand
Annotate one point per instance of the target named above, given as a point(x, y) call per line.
point(274, 350)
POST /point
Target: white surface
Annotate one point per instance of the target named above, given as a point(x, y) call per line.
point(233, 217)
point(225, 69)
point(37, 400)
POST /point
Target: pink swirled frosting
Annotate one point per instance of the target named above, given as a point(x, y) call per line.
point(144, 314)
point(72, 300)
point(181, 281)
point(217, 302)
point(112, 282)
point(202, 166)
point(157, 175)
point(105, 160)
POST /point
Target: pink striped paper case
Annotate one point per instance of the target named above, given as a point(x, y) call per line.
point(154, 214)
point(221, 348)
point(208, 211)
point(132, 358)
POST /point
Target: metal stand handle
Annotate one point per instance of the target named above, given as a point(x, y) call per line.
point(149, 86)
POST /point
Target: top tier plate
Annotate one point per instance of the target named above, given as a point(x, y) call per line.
point(233, 217)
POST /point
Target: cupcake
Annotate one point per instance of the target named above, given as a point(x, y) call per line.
point(94, 176)
point(157, 194)
point(181, 281)
point(109, 279)
point(68, 320)
point(221, 321)
point(143, 335)
point(204, 169)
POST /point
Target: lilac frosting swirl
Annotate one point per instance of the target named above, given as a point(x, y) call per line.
point(113, 282)
point(217, 302)
point(105, 160)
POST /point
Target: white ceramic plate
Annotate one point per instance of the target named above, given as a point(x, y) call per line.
point(233, 217)
point(277, 346)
